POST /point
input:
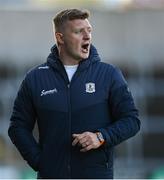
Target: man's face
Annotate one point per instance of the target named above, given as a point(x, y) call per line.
point(77, 39)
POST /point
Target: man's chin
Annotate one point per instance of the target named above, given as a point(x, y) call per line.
point(82, 56)
point(85, 56)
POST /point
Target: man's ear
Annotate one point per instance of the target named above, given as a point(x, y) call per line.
point(59, 37)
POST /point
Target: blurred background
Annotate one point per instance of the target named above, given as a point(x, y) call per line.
point(128, 34)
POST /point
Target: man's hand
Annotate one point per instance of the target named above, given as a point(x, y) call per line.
point(86, 140)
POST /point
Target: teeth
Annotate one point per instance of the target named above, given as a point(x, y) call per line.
point(85, 46)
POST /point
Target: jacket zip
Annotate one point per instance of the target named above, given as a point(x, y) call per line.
point(64, 75)
point(69, 117)
point(69, 133)
point(70, 121)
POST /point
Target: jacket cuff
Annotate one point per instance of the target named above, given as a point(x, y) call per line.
point(106, 137)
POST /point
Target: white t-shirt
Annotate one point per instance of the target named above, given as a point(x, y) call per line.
point(70, 69)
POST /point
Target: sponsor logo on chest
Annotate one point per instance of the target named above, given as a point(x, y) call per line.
point(52, 91)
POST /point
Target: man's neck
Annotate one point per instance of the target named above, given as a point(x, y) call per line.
point(67, 60)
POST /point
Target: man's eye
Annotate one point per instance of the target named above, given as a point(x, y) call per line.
point(77, 32)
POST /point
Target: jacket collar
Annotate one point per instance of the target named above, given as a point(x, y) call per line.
point(54, 61)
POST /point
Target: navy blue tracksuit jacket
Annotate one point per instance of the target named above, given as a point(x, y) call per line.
point(96, 99)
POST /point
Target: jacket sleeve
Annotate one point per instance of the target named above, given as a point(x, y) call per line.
point(125, 121)
point(21, 125)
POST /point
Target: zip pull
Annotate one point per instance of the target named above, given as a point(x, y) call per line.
point(68, 85)
point(107, 165)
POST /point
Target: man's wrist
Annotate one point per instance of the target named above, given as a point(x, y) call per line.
point(100, 137)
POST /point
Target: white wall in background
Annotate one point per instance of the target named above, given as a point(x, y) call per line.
point(26, 36)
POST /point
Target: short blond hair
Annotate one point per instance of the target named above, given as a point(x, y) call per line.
point(67, 15)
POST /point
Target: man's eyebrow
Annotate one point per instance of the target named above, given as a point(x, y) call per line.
point(89, 27)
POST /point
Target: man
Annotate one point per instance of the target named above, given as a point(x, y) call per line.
point(82, 106)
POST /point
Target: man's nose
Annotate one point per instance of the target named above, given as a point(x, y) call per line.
point(87, 35)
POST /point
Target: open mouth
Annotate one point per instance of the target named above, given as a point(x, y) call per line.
point(85, 47)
